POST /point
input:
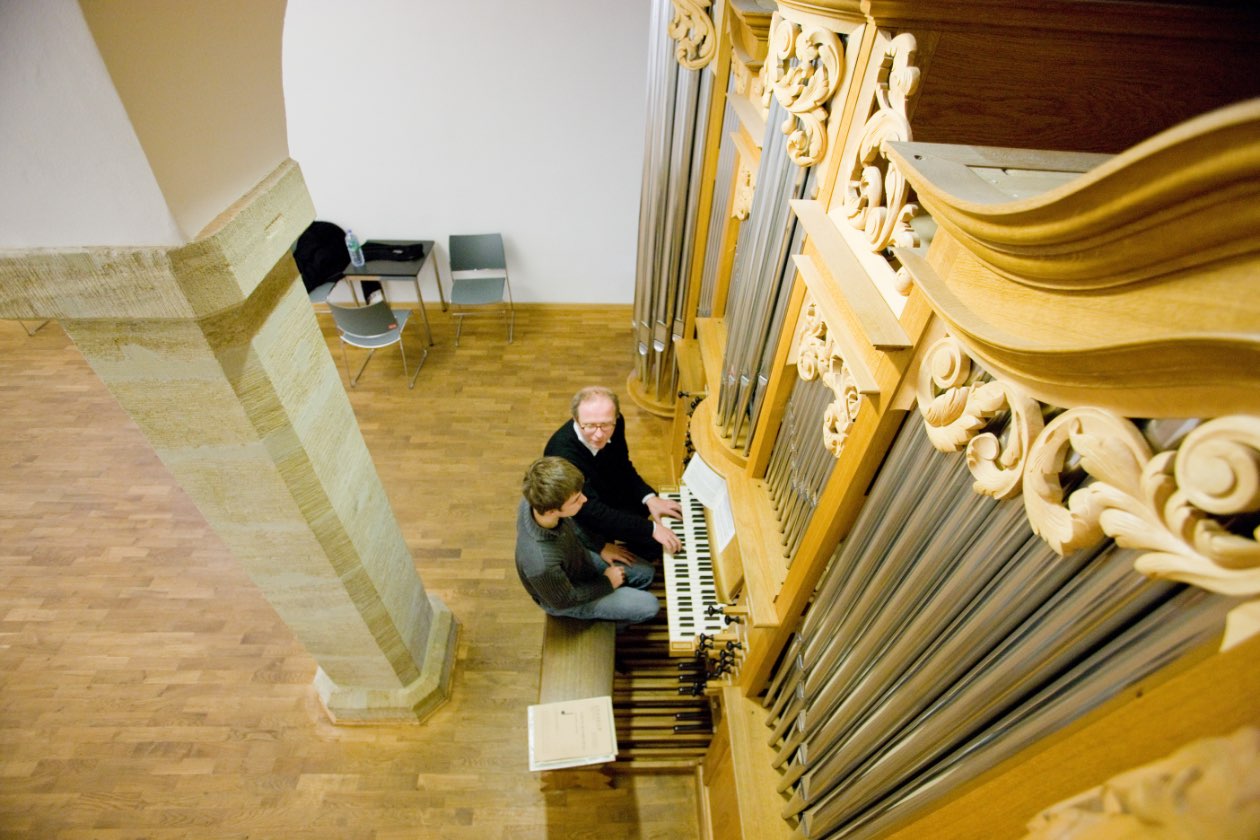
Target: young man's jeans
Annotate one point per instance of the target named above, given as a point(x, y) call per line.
point(627, 604)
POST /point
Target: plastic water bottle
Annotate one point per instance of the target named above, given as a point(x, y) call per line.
point(356, 251)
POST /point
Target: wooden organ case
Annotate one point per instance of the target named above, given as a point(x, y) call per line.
point(961, 311)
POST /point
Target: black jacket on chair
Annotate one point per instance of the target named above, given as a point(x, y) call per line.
point(321, 255)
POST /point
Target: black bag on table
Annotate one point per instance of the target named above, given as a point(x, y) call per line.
point(399, 251)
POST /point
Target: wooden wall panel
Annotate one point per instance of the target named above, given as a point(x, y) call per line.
point(1074, 91)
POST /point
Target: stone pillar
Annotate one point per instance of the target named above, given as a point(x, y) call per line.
point(214, 351)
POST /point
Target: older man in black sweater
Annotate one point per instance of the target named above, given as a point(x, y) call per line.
point(622, 510)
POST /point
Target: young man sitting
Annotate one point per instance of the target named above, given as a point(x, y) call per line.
point(564, 575)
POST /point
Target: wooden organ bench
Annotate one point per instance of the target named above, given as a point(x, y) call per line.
point(577, 662)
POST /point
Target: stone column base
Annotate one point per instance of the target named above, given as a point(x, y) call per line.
point(411, 704)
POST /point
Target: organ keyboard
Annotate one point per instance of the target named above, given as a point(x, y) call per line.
point(691, 604)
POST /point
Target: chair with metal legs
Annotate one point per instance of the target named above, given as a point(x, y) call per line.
point(479, 278)
point(371, 328)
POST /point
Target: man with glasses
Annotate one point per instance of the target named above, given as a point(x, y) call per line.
point(622, 510)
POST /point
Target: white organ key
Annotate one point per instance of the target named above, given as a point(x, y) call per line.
point(689, 585)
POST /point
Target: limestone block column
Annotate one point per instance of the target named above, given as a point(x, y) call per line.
point(214, 351)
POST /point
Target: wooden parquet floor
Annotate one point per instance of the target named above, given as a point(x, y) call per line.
point(147, 690)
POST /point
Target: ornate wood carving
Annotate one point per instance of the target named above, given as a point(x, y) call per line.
point(1127, 286)
point(819, 356)
point(766, 86)
point(1182, 507)
point(749, 26)
point(749, 82)
point(1205, 789)
point(743, 80)
point(745, 186)
point(956, 410)
point(693, 29)
point(1152, 205)
point(805, 88)
point(904, 281)
point(876, 195)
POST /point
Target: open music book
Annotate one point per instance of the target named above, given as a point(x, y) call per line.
point(571, 733)
point(710, 488)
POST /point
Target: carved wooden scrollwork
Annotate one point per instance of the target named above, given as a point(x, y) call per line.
point(693, 29)
point(1191, 510)
point(1214, 474)
point(745, 183)
point(1110, 449)
point(904, 281)
point(838, 418)
point(766, 87)
point(741, 78)
point(1174, 505)
point(1205, 789)
point(876, 195)
point(805, 88)
point(750, 83)
point(818, 356)
point(955, 410)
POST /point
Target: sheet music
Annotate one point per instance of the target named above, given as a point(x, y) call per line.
point(710, 488)
point(571, 733)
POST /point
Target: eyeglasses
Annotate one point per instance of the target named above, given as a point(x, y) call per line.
point(603, 427)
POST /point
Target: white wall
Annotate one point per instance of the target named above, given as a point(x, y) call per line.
point(72, 169)
point(419, 119)
point(201, 83)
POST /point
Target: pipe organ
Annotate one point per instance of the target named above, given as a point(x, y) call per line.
point(957, 308)
point(730, 198)
point(678, 97)
point(759, 280)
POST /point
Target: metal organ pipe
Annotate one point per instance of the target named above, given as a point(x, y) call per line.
point(757, 280)
point(678, 99)
point(944, 637)
point(722, 187)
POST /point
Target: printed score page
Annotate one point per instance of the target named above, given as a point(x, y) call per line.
point(571, 733)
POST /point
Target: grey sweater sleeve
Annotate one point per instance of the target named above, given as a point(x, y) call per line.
point(555, 566)
point(554, 588)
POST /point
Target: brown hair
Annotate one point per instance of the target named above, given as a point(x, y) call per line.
point(550, 482)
